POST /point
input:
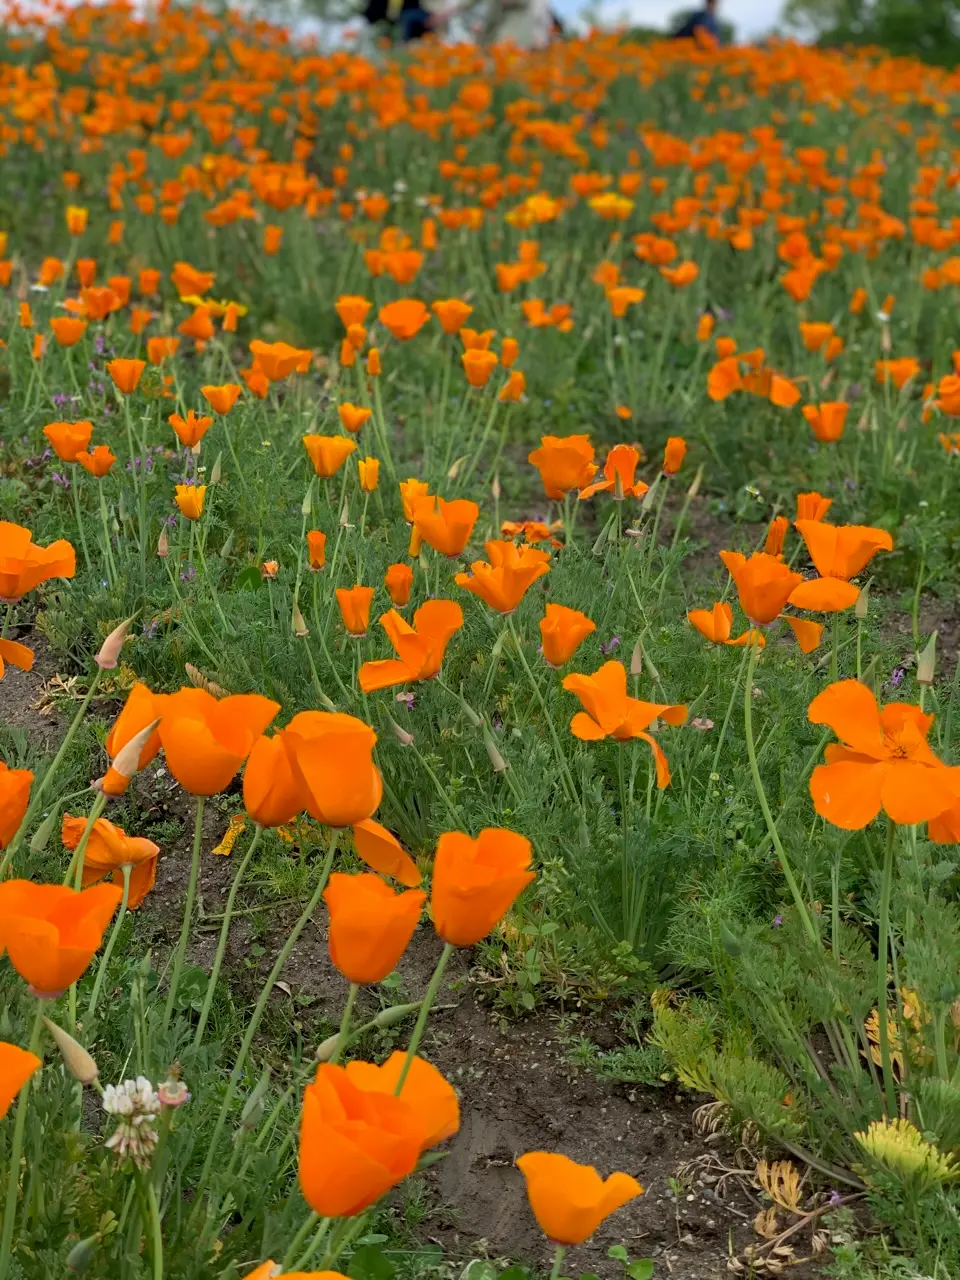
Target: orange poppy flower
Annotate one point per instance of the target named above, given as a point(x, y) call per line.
point(425, 1091)
point(475, 882)
point(410, 491)
point(277, 360)
point(109, 848)
point(139, 319)
point(858, 301)
point(332, 753)
point(509, 350)
point(382, 851)
point(812, 506)
point(503, 582)
point(189, 498)
point(222, 399)
point(67, 330)
point(610, 712)
point(570, 1200)
point(716, 625)
point(682, 275)
point(67, 439)
point(272, 791)
point(148, 281)
point(564, 463)
point(188, 281)
point(198, 325)
point(399, 581)
point(673, 455)
point(15, 787)
point(620, 297)
point(206, 740)
point(373, 362)
point(419, 648)
point(445, 526)
point(316, 549)
point(404, 318)
point(368, 473)
point(257, 382)
point(97, 462)
point(827, 420)
point(354, 604)
point(478, 366)
point(352, 309)
point(477, 340)
point(839, 553)
point(776, 535)
point(160, 349)
point(899, 372)
point(764, 584)
point(513, 389)
point(352, 416)
point(191, 429)
point(619, 473)
point(705, 327)
point(141, 709)
point(815, 334)
point(16, 1067)
point(328, 453)
point(272, 239)
point(883, 762)
point(86, 271)
point(452, 314)
point(562, 631)
point(51, 932)
point(724, 378)
point(126, 374)
point(24, 565)
point(370, 925)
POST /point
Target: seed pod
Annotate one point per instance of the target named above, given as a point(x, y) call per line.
point(75, 1058)
point(83, 1253)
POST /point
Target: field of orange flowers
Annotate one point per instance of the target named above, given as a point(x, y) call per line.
point(501, 507)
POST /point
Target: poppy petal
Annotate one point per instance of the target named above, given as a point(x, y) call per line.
point(848, 794)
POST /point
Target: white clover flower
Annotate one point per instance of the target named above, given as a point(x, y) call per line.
point(137, 1104)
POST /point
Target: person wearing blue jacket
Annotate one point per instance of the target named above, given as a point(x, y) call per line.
point(703, 22)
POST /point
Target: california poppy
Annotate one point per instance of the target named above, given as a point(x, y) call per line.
point(24, 564)
point(160, 349)
point(673, 455)
point(206, 740)
point(370, 925)
point(16, 1067)
point(352, 309)
point(570, 1200)
point(619, 475)
point(352, 416)
point(827, 419)
point(18, 655)
point(562, 631)
point(716, 625)
point(812, 506)
point(52, 932)
point(191, 429)
point(141, 709)
point(503, 582)
point(272, 790)
point(332, 753)
point(445, 526)
point(221, 399)
point(478, 366)
point(420, 648)
point(509, 350)
point(609, 712)
point(564, 463)
point(109, 849)
point(476, 881)
point(68, 330)
point(776, 535)
point(384, 853)
point(399, 582)
point(410, 491)
point(514, 387)
point(354, 605)
point(404, 318)
point(368, 473)
point(452, 314)
point(839, 552)
point(15, 787)
point(189, 498)
point(67, 439)
point(277, 360)
point(316, 549)
point(477, 339)
point(883, 762)
point(188, 280)
point(764, 584)
point(126, 374)
point(425, 1091)
point(354, 1145)
point(97, 461)
point(328, 453)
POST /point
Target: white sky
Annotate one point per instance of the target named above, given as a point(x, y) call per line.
point(750, 17)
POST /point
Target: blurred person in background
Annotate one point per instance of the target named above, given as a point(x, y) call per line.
point(702, 25)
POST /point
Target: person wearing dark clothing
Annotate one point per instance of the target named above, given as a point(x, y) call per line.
point(703, 22)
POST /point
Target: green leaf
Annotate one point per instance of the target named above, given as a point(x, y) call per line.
point(618, 1253)
point(249, 579)
point(479, 1269)
point(642, 1269)
point(369, 1263)
point(515, 1273)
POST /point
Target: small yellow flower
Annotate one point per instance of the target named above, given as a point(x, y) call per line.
point(902, 1149)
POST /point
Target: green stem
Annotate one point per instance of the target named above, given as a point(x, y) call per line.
point(111, 942)
point(761, 796)
point(726, 718)
point(558, 1261)
point(224, 936)
point(258, 1012)
point(569, 784)
point(344, 1034)
point(16, 1151)
point(305, 1228)
point(883, 946)
point(76, 510)
point(181, 950)
point(40, 788)
point(156, 1233)
point(428, 999)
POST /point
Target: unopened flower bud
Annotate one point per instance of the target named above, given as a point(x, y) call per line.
point(217, 471)
point(297, 622)
point(863, 602)
point(636, 660)
point(402, 736)
point(253, 1108)
point(695, 484)
point(396, 1013)
point(75, 1058)
point(227, 546)
point(41, 837)
point(327, 1048)
point(83, 1253)
point(306, 506)
point(496, 759)
point(109, 656)
point(495, 487)
point(126, 762)
point(927, 661)
point(345, 515)
point(163, 544)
